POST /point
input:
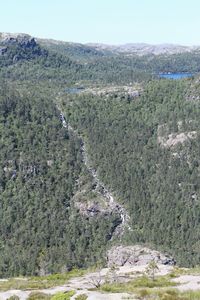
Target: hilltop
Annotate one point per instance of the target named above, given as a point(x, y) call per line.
point(145, 49)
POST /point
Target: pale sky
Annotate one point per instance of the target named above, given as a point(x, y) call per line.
point(105, 21)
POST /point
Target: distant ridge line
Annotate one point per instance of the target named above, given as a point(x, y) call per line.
point(128, 48)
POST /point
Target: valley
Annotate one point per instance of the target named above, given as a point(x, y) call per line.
point(98, 155)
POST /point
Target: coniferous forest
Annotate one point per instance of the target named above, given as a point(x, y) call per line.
point(145, 149)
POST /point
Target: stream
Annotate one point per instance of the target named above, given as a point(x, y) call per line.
point(100, 188)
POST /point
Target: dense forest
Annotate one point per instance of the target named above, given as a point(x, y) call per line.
point(159, 185)
point(42, 171)
point(41, 230)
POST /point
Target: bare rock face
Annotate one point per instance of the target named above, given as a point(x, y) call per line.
point(168, 139)
point(16, 47)
point(89, 209)
point(176, 138)
point(3, 50)
point(135, 256)
point(24, 40)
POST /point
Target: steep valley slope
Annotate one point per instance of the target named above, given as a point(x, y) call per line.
point(55, 176)
point(159, 186)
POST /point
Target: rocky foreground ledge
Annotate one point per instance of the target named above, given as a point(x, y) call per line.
point(131, 262)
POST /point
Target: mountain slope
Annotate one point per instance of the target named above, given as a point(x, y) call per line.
point(56, 170)
point(147, 151)
point(79, 52)
point(40, 227)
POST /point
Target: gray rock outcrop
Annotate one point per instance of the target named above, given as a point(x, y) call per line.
point(25, 41)
point(136, 255)
point(17, 47)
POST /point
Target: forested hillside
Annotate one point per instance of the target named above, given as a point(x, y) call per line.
point(144, 150)
point(23, 58)
point(41, 230)
point(158, 182)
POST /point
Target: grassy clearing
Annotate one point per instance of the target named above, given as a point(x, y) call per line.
point(43, 282)
point(134, 285)
point(191, 295)
point(58, 296)
point(184, 271)
point(147, 294)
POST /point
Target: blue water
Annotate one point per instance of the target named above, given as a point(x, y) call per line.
point(175, 75)
point(74, 90)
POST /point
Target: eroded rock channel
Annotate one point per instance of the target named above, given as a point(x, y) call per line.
point(99, 187)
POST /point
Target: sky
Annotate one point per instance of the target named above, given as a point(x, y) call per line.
point(105, 21)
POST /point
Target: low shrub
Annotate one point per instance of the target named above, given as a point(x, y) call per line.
point(81, 297)
point(39, 296)
point(63, 296)
point(14, 297)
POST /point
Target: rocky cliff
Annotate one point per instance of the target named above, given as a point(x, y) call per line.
point(15, 47)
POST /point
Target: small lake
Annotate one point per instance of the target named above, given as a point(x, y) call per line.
point(74, 90)
point(175, 75)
